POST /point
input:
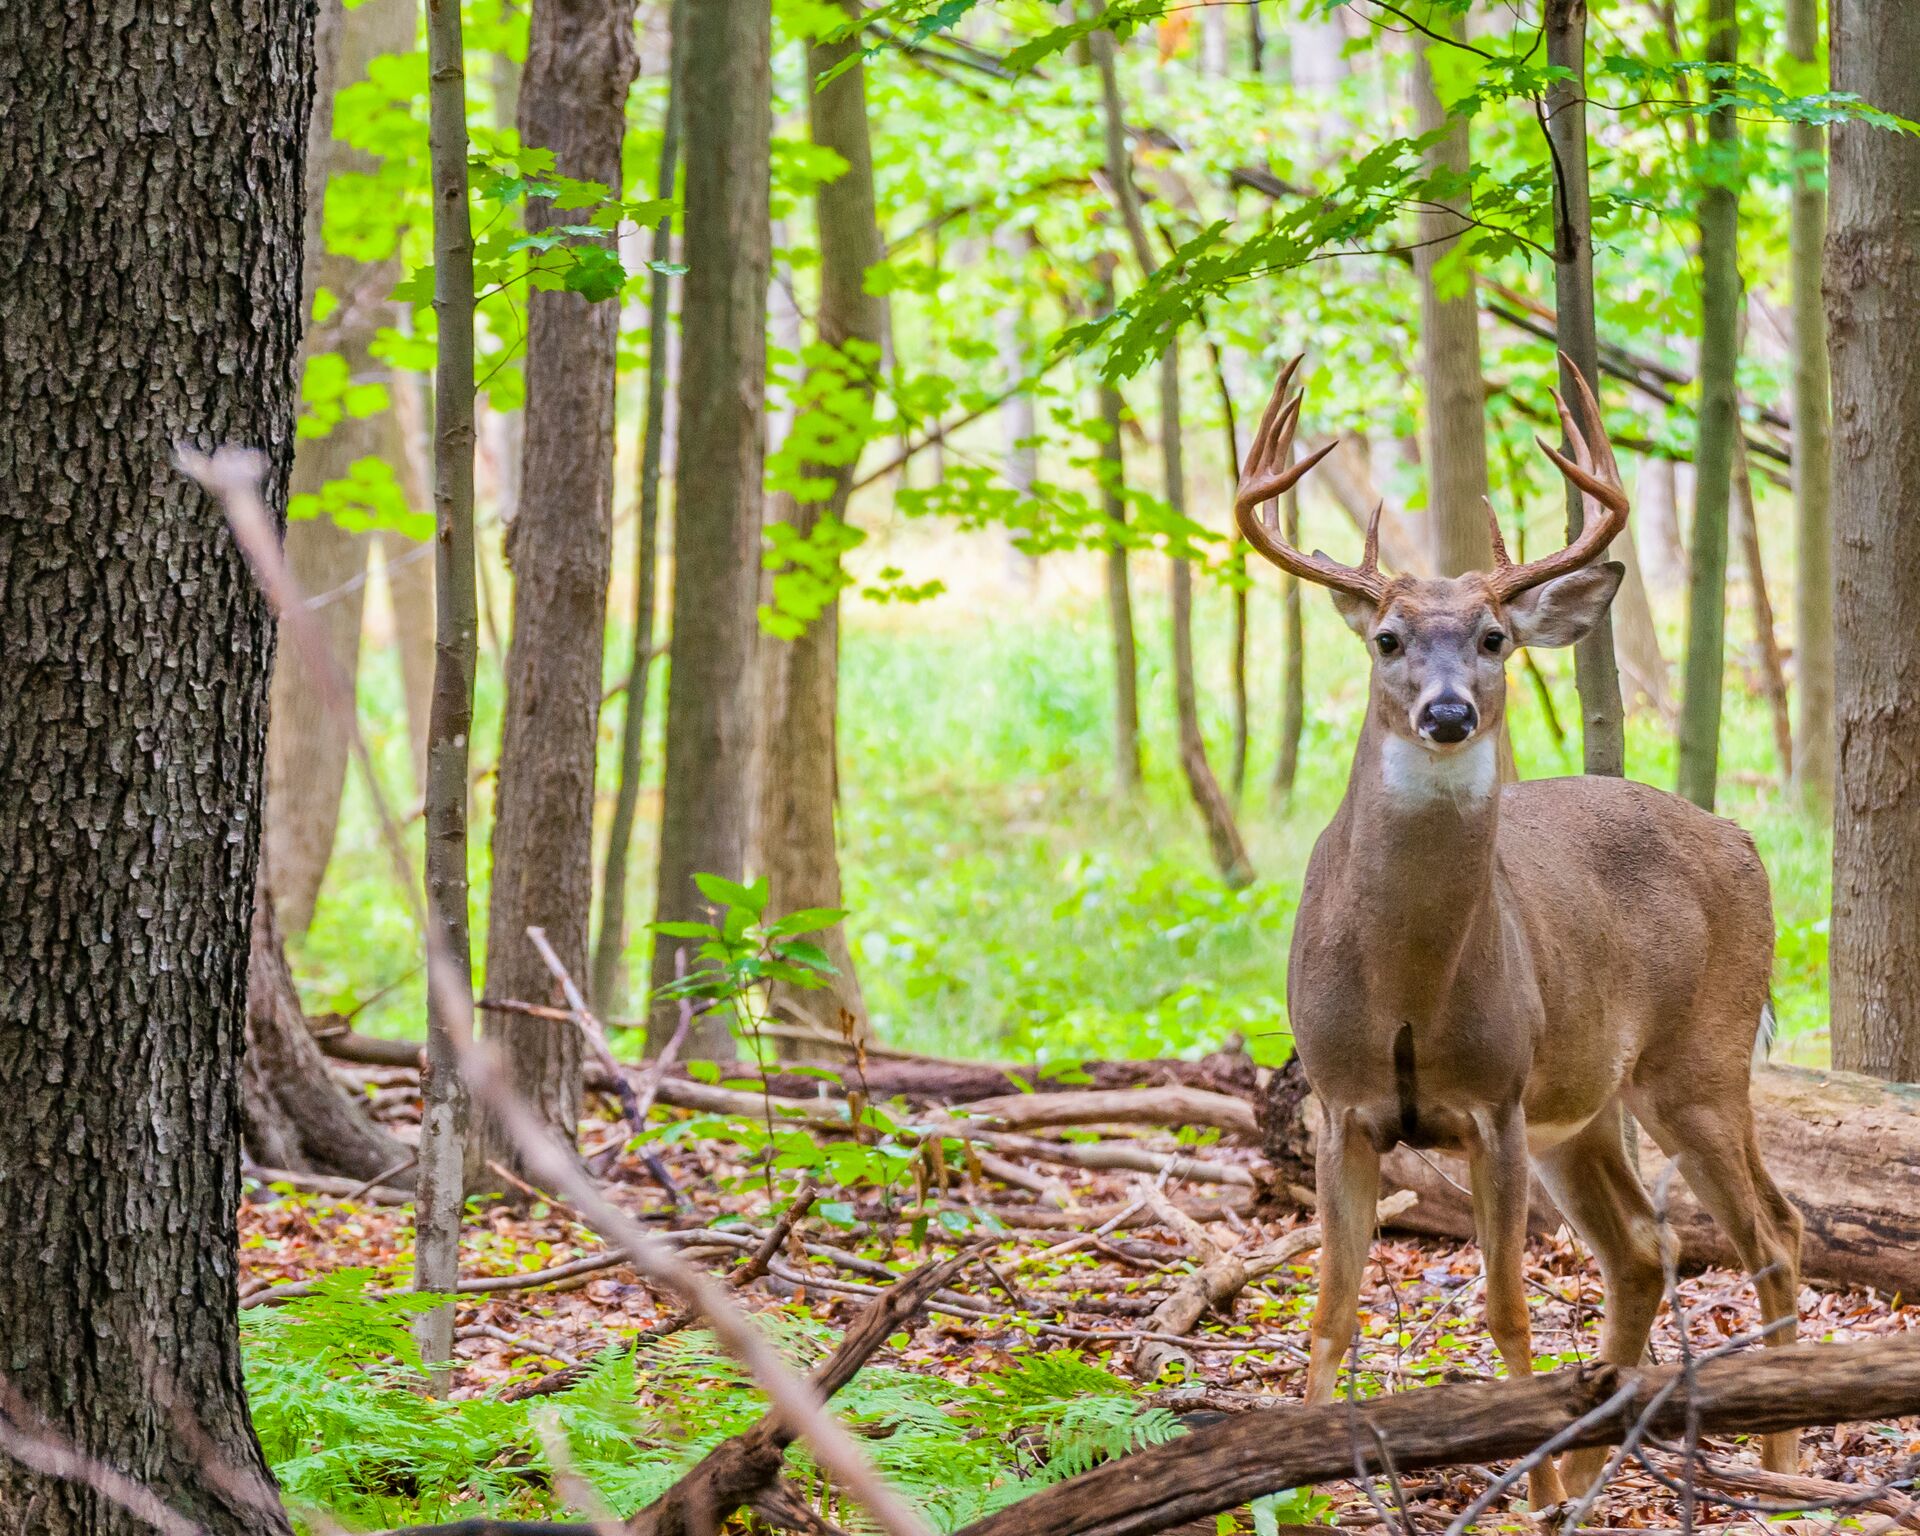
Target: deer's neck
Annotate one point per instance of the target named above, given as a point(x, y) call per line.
point(1420, 833)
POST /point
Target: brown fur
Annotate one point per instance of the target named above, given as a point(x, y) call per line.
point(1542, 954)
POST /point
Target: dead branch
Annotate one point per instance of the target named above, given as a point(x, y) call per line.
point(1221, 1466)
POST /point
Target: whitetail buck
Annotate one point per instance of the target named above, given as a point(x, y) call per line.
point(1499, 971)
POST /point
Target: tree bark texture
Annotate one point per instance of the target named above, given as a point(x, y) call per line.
point(800, 791)
point(1843, 1148)
point(1873, 292)
point(1812, 442)
point(441, 1181)
point(1719, 422)
point(717, 492)
point(306, 749)
point(610, 946)
point(1596, 673)
point(573, 100)
point(1456, 440)
point(295, 1115)
point(149, 296)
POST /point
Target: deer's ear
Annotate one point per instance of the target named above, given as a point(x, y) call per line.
point(1357, 611)
point(1562, 611)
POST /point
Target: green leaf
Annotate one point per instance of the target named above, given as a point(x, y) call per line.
point(723, 892)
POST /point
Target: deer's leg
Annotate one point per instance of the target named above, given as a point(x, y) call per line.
point(1597, 1190)
point(1500, 1179)
point(1715, 1149)
point(1347, 1181)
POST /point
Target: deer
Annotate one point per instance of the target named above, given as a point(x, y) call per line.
point(1506, 970)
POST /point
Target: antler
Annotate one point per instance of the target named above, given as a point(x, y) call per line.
point(1267, 474)
point(1604, 498)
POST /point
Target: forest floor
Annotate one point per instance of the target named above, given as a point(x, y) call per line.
point(1022, 1373)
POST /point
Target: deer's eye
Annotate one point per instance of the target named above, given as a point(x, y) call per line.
point(1493, 641)
point(1389, 644)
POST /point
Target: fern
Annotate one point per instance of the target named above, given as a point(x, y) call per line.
point(333, 1381)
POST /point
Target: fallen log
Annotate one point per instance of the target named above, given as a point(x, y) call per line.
point(1844, 1149)
point(1221, 1466)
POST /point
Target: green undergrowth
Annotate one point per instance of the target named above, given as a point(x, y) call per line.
point(1006, 901)
point(333, 1381)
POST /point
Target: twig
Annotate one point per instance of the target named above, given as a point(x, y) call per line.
point(756, 1266)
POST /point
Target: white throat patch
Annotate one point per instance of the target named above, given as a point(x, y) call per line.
point(1413, 775)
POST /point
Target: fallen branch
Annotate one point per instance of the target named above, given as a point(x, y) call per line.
point(1221, 1466)
point(1222, 1276)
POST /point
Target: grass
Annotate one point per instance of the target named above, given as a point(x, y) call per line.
point(1006, 902)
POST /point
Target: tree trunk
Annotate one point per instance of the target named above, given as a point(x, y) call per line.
point(1656, 505)
point(456, 644)
point(1843, 1148)
point(1719, 422)
point(611, 945)
point(1596, 674)
point(1223, 834)
point(1113, 505)
point(1873, 292)
point(1019, 423)
point(1293, 663)
point(142, 312)
point(1812, 443)
point(573, 100)
point(1456, 440)
point(306, 750)
point(294, 1114)
point(800, 791)
point(1773, 672)
point(717, 495)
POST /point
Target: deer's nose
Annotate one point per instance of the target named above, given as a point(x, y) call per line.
point(1448, 720)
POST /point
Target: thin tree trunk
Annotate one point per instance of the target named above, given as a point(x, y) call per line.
point(443, 1108)
point(1719, 426)
point(1237, 661)
point(717, 495)
point(150, 263)
point(1223, 834)
point(293, 1113)
point(1293, 669)
point(573, 98)
point(612, 942)
point(1773, 672)
point(306, 752)
point(1656, 504)
point(1872, 289)
point(1596, 674)
point(1812, 443)
point(1019, 423)
point(799, 794)
point(1113, 505)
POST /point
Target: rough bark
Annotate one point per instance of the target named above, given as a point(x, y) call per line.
point(1456, 436)
point(456, 644)
point(800, 792)
point(717, 495)
point(1873, 292)
point(1843, 1148)
point(1718, 425)
point(138, 310)
point(1223, 833)
point(1812, 442)
point(1596, 674)
point(294, 1114)
point(573, 98)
